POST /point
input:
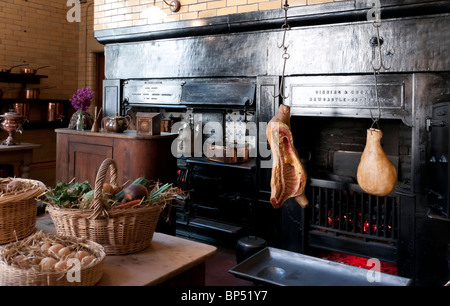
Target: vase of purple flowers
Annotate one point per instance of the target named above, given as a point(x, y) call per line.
point(81, 102)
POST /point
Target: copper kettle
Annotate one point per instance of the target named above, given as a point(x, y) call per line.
point(116, 124)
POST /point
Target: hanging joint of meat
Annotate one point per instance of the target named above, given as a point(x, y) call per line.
point(376, 174)
point(288, 174)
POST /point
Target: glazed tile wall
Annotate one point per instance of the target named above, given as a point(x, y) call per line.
point(118, 13)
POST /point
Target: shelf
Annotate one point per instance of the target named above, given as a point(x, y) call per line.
point(249, 165)
point(21, 78)
point(33, 101)
point(45, 125)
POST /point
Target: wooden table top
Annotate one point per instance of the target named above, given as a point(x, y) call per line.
point(165, 258)
point(128, 134)
point(18, 147)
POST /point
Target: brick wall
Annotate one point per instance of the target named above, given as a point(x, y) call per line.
point(118, 13)
point(37, 32)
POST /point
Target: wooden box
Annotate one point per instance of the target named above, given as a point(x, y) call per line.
point(148, 123)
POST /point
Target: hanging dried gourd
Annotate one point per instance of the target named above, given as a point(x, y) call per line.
point(376, 173)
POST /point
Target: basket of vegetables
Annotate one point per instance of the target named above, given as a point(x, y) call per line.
point(44, 259)
point(122, 220)
point(18, 207)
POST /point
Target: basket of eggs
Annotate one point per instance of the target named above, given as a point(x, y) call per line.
point(18, 207)
point(44, 259)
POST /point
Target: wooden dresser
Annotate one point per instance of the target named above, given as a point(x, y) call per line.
point(80, 154)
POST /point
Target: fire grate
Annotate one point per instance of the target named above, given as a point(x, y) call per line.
point(344, 209)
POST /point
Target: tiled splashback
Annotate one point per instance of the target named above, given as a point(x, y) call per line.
point(236, 128)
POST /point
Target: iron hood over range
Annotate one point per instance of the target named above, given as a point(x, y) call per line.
point(329, 84)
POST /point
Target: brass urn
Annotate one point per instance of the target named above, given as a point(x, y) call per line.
point(11, 122)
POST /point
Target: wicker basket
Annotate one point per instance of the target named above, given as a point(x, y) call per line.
point(18, 209)
point(88, 276)
point(119, 231)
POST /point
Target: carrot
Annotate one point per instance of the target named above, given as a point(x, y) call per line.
point(128, 204)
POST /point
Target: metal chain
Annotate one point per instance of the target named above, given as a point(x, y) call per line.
point(285, 56)
point(376, 70)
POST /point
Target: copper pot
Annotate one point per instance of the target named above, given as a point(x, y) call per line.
point(55, 112)
point(12, 122)
point(31, 70)
point(30, 93)
point(22, 109)
point(228, 154)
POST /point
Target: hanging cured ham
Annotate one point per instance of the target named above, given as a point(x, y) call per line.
point(288, 174)
point(376, 174)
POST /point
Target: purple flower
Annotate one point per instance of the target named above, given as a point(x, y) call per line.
point(82, 99)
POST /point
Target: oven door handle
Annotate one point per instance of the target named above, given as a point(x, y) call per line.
point(433, 123)
point(434, 193)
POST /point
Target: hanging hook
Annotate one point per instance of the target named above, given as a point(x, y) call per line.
point(285, 56)
point(379, 42)
point(375, 120)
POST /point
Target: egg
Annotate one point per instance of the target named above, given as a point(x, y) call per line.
point(61, 266)
point(21, 262)
point(87, 260)
point(63, 252)
point(81, 254)
point(45, 246)
point(47, 264)
point(36, 260)
point(54, 249)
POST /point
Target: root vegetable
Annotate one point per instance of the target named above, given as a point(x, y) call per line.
point(111, 189)
point(134, 192)
point(127, 204)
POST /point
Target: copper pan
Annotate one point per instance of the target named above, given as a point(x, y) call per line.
point(31, 70)
point(3, 70)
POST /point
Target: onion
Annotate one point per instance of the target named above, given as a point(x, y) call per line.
point(135, 192)
point(111, 189)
